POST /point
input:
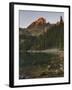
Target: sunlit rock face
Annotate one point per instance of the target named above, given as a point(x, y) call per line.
point(39, 26)
point(40, 21)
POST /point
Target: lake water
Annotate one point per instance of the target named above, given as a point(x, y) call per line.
point(40, 65)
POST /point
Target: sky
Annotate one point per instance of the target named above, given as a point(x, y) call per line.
point(26, 17)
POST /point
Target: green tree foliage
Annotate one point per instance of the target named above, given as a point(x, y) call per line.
point(53, 38)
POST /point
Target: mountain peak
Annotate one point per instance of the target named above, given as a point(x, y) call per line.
point(40, 21)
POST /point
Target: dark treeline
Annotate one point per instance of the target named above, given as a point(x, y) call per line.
point(52, 38)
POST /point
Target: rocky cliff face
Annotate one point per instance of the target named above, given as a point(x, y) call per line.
point(39, 22)
point(38, 27)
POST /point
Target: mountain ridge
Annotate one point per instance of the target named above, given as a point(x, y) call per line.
point(40, 26)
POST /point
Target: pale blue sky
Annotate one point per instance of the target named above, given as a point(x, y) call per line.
point(26, 17)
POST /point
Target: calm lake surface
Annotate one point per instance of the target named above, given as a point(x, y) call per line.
point(41, 65)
